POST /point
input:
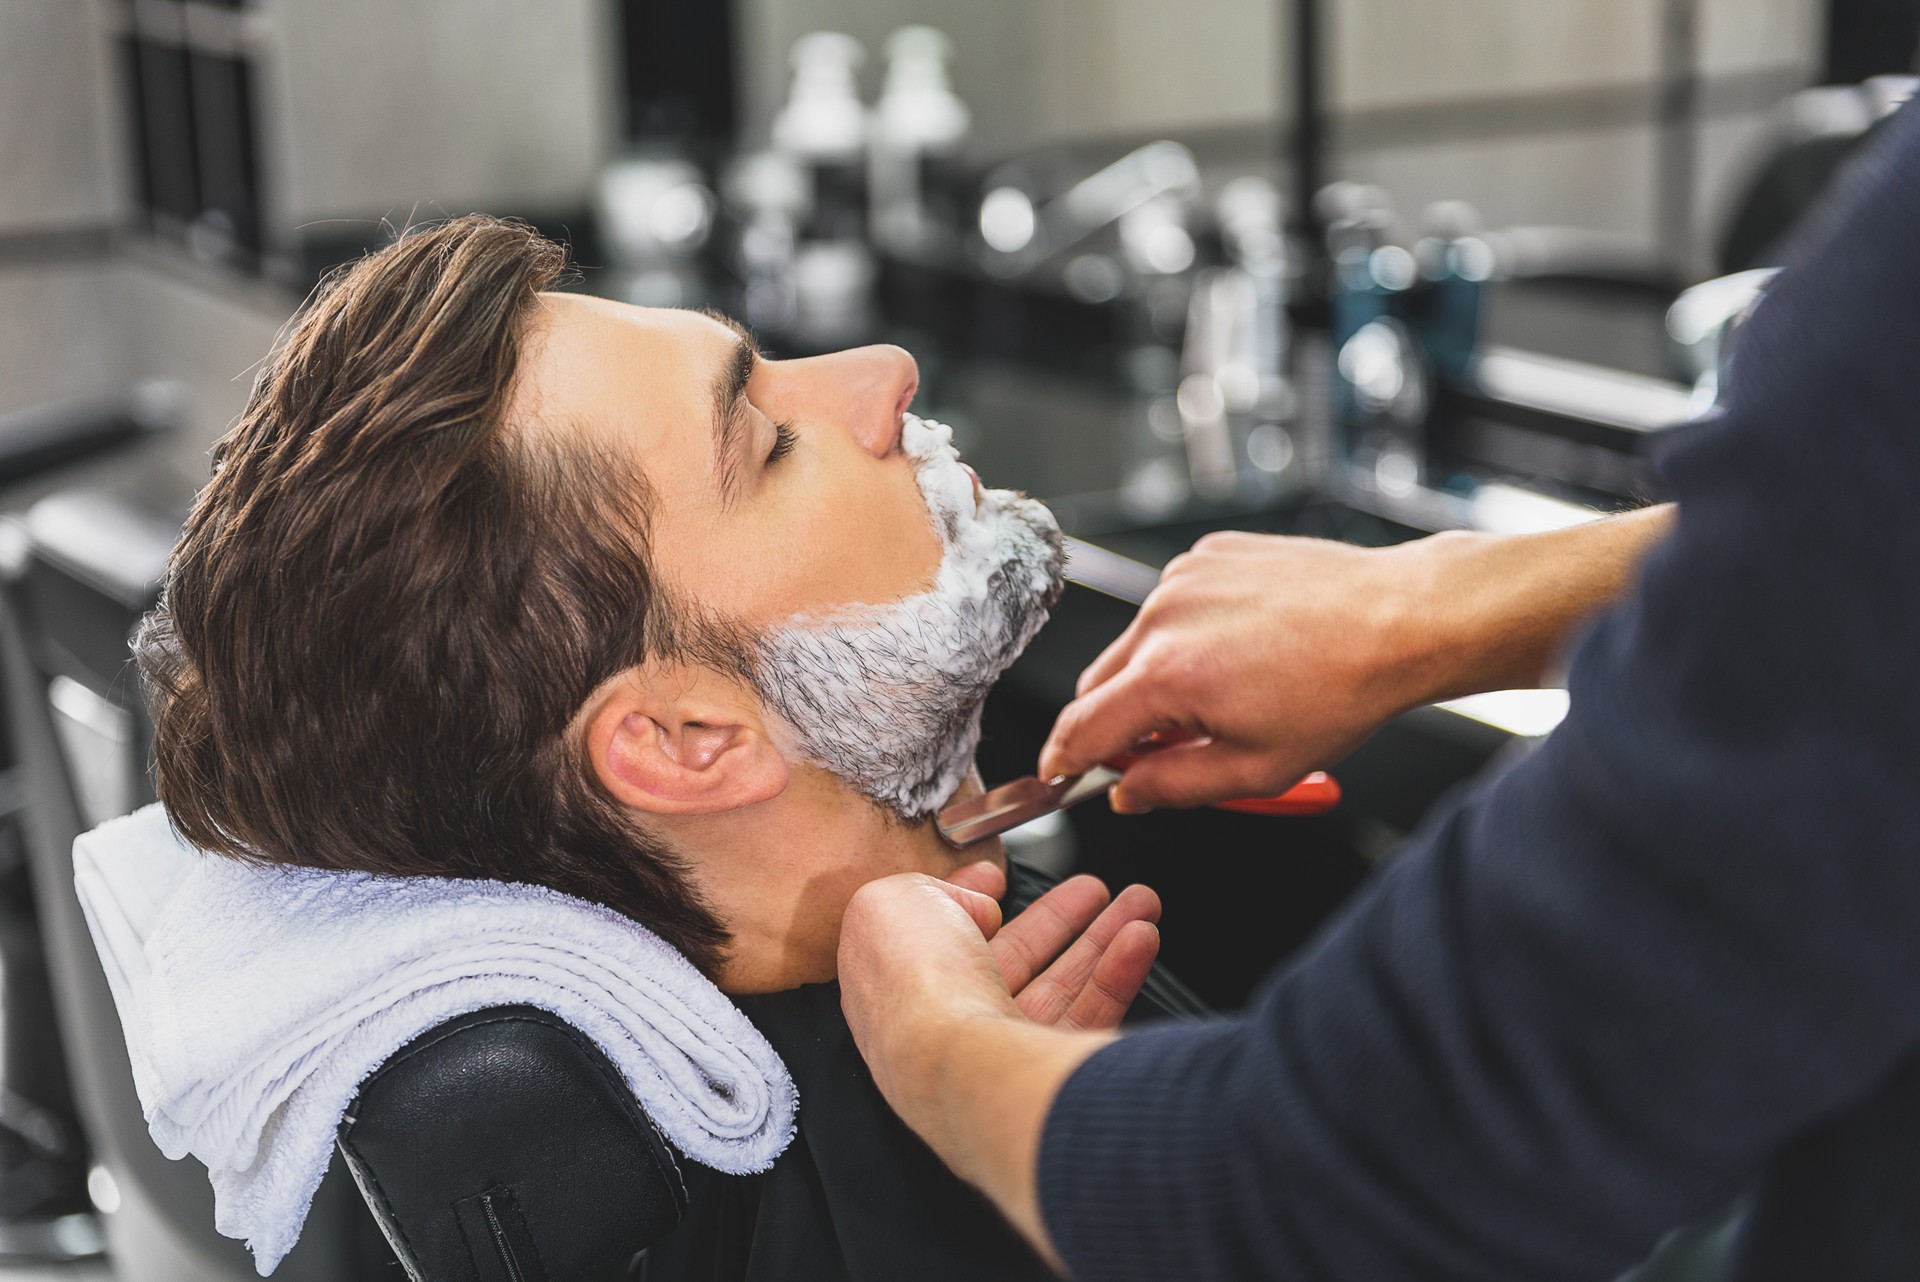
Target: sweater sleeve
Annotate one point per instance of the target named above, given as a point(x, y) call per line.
point(1591, 998)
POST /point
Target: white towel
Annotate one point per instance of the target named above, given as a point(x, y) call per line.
point(256, 1000)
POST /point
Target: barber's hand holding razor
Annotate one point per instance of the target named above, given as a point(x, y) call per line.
point(1280, 655)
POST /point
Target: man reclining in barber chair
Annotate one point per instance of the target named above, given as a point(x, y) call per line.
point(492, 582)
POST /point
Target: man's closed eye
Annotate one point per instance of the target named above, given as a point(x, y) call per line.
point(784, 439)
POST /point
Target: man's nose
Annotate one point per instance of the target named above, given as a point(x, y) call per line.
point(882, 388)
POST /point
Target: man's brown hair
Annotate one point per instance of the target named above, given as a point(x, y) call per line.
point(389, 602)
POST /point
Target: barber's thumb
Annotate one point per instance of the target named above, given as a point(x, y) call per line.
point(1110, 660)
point(983, 878)
point(984, 909)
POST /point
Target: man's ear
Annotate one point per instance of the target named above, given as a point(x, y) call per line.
point(681, 742)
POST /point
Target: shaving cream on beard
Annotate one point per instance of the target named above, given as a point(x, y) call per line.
point(888, 698)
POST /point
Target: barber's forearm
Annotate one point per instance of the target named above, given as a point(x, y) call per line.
point(978, 1091)
point(1499, 609)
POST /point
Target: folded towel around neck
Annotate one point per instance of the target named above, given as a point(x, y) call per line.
point(255, 1000)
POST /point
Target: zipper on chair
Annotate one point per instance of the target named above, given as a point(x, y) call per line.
point(500, 1243)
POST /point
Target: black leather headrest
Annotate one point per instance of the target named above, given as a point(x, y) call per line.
point(34, 440)
point(504, 1147)
point(92, 564)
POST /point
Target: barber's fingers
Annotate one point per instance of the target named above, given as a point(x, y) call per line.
point(984, 910)
point(1054, 921)
point(1182, 585)
point(1052, 996)
point(1157, 615)
point(1116, 978)
point(1198, 774)
point(1111, 659)
point(1107, 721)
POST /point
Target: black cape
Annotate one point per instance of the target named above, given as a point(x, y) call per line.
point(856, 1196)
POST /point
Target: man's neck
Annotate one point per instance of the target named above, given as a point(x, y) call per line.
point(779, 875)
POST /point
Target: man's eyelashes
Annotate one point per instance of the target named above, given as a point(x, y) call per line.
point(783, 442)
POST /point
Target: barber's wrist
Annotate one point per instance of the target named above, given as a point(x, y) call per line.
point(918, 1045)
point(981, 1101)
point(927, 1093)
point(1494, 611)
point(1436, 622)
point(913, 1071)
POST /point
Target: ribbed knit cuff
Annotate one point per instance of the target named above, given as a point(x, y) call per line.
point(1127, 1157)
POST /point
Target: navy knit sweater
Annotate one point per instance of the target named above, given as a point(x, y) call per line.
point(1672, 956)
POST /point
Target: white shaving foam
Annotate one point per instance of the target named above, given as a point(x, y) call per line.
point(888, 698)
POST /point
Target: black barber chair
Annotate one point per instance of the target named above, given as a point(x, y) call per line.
point(44, 1209)
point(498, 1147)
point(1810, 138)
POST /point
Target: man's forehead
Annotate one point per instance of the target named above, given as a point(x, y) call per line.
point(582, 325)
point(639, 376)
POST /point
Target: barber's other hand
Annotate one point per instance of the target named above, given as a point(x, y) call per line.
point(1280, 654)
point(919, 955)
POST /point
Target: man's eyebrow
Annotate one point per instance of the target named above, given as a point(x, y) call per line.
point(729, 398)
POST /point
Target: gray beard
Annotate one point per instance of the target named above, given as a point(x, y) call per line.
point(888, 698)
